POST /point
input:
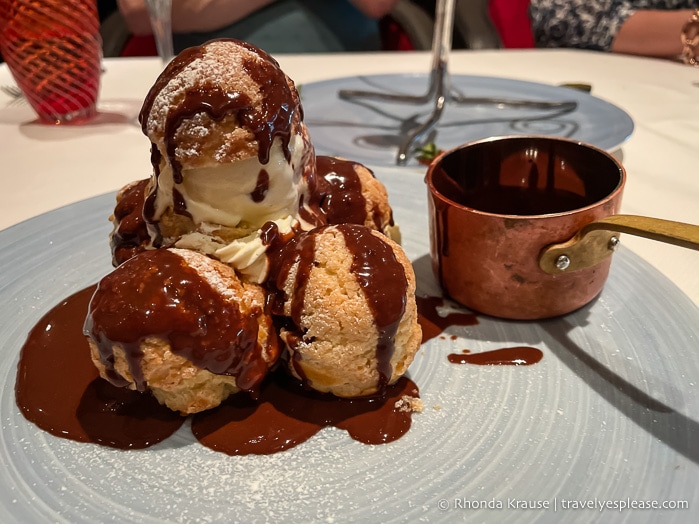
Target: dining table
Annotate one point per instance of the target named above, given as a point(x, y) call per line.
point(608, 420)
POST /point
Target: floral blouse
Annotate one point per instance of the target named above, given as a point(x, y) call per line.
point(588, 24)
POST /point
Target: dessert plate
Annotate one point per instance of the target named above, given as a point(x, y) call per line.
point(607, 419)
point(370, 132)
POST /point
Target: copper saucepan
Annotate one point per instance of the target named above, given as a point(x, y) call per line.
point(522, 227)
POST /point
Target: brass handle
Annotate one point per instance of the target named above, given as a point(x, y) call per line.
point(597, 240)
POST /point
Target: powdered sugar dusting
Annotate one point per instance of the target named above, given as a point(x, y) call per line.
point(221, 64)
point(220, 277)
point(181, 481)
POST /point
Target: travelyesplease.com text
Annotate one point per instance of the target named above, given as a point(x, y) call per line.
point(560, 504)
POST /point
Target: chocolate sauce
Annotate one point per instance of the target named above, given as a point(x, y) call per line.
point(130, 235)
point(149, 203)
point(287, 414)
point(157, 293)
point(314, 189)
point(300, 249)
point(524, 176)
point(261, 187)
point(276, 112)
point(490, 195)
point(211, 100)
point(59, 390)
point(433, 324)
point(383, 280)
point(279, 105)
point(124, 419)
point(58, 387)
point(273, 239)
point(273, 118)
point(344, 201)
point(179, 204)
point(174, 68)
point(523, 201)
point(514, 356)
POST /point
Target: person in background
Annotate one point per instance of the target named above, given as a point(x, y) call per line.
point(105, 8)
point(277, 26)
point(639, 27)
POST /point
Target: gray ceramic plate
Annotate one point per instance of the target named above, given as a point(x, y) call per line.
point(609, 415)
point(370, 132)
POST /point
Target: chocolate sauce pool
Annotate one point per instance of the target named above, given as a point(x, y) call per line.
point(514, 356)
point(58, 387)
point(287, 414)
point(59, 390)
point(433, 325)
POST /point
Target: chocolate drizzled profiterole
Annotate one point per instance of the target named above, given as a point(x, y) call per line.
point(228, 143)
point(347, 293)
point(224, 96)
point(182, 325)
point(353, 195)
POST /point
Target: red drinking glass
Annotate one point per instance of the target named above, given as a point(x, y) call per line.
point(54, 51)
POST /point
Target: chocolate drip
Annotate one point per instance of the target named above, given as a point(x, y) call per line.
point(156, 293)
point(261, 186)
point(344, 203)
point(314, 189)
point(179, 204)
point(385, 286)
point(343, 199)
point(148, 213)
point(277, 111)
point(270, 235)
point(149, 204)
point(274, 117)
point(130, 234)
point(301, 250)
point(274, 239)
point(433, 324)
point(174, 68)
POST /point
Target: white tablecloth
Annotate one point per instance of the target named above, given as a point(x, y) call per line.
point(45, 167)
